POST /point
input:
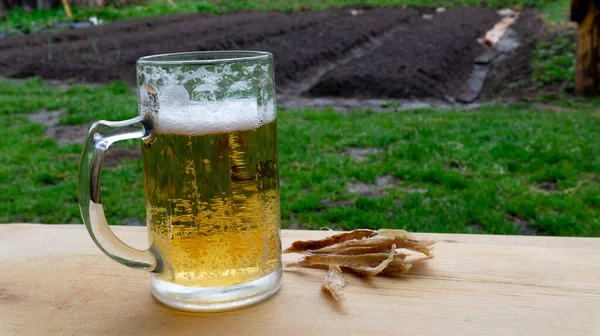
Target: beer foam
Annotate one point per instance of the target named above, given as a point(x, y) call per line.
point(211, 117)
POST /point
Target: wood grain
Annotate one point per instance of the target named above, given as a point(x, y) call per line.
point(54, 281)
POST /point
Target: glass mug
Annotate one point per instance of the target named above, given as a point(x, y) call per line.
point(207, 121)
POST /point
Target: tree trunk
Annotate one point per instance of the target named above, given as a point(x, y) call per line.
point(587, 76)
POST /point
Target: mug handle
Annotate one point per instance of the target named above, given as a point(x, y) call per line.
point(101, 135)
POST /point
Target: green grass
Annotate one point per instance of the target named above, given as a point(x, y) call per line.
point(38, 176)
point(555, 12)
point(22, 22)
point(554, 61)
point(483, 171)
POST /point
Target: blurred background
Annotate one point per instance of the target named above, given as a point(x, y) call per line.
point(463, 116)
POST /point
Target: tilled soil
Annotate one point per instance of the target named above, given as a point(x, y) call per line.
point(301, 53)
point(387, 53)
point(426, 58)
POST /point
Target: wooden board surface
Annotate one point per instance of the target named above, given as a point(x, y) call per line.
point(54, 281)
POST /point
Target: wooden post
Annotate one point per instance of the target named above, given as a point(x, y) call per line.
point(3, 11)
point(587, 76)
point(67, 8)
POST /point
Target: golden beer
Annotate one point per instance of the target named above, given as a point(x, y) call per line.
point(213, 205)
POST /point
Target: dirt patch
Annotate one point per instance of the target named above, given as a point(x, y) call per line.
point(381, 184)
point(339, 203)
point(116, 155)
point(522, 224)
point(475, 228)
point(63, 134)
point(47, 118)
point(67, 134)
point(362, 154)
point(545, 107)
point(457, 166)
point(415, 190)
point(547, 186)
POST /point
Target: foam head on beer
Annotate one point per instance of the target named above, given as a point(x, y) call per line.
point(209, 118)
point(178, 114)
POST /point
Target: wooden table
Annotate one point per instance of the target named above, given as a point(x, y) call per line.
point(54, 281)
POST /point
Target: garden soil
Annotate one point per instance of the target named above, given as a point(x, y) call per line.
point(386, 53)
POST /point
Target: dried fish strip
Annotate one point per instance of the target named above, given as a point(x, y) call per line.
point(396, 266)
point(422, 246)
point(371, 259)
point(373, 271)
point(304, 245)
point(334, 283)
point(361, 250)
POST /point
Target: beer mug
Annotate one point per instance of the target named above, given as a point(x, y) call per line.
point(207, 121)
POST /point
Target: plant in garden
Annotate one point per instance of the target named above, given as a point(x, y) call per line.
point(95, 48)
point(49, 49)
point(554, 61)
point(118, 50)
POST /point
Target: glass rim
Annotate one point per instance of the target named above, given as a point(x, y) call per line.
point(204, 57)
